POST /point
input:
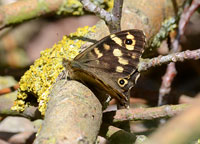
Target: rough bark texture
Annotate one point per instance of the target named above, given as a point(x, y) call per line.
point(73, 115)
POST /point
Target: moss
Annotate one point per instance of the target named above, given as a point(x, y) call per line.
point(42, 74)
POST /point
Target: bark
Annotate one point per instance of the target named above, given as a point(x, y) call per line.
point(143, 113)
point(73, 115)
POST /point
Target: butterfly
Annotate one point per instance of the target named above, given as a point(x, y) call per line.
point(109, 67)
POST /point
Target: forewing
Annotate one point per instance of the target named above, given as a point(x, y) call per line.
point(115, 56)
point(112, 54)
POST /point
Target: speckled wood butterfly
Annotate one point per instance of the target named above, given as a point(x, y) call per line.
point(109, 67)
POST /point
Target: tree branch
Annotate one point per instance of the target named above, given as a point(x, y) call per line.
point(166, 83)
point(112, 19)
point(73, 115)
point(145, 64)
point(6, 102)
point(103, 14)
point(187, 13)
point(23, 10)
point(117, 13)
point(143, 113)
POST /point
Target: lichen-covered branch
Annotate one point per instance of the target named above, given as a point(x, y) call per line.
point(43, 74)
point(145, 64)
point(143, 113)
point(6, 102)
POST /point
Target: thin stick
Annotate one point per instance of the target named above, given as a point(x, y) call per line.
point(112, 19)
point(117, 13)
point(175, 57)
point(166, 83)
point(143, 113)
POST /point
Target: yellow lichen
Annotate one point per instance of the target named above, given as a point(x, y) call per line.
point(40, 77)
point(110, 4)
point(74, 7)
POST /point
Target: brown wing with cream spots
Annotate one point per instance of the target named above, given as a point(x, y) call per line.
point(114, 59)
point(121, 49)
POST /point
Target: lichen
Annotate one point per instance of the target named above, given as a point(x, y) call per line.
point(39, 79)
point(74, 7)
point(167, 26)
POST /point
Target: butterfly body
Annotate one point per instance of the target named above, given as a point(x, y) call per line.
point(109, 67)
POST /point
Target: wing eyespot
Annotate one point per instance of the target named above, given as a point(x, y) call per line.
point(128, 41)
point(122, 82)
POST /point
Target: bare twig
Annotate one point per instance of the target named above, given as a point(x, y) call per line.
point(103, 14)
point(112, 19)
point(187, 13)
point(166, 83)
point(175, 57)
point(117, 12)
point(168, 77)
point(143, 113)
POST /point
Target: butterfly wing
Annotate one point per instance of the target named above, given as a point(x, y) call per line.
point(110, 65)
